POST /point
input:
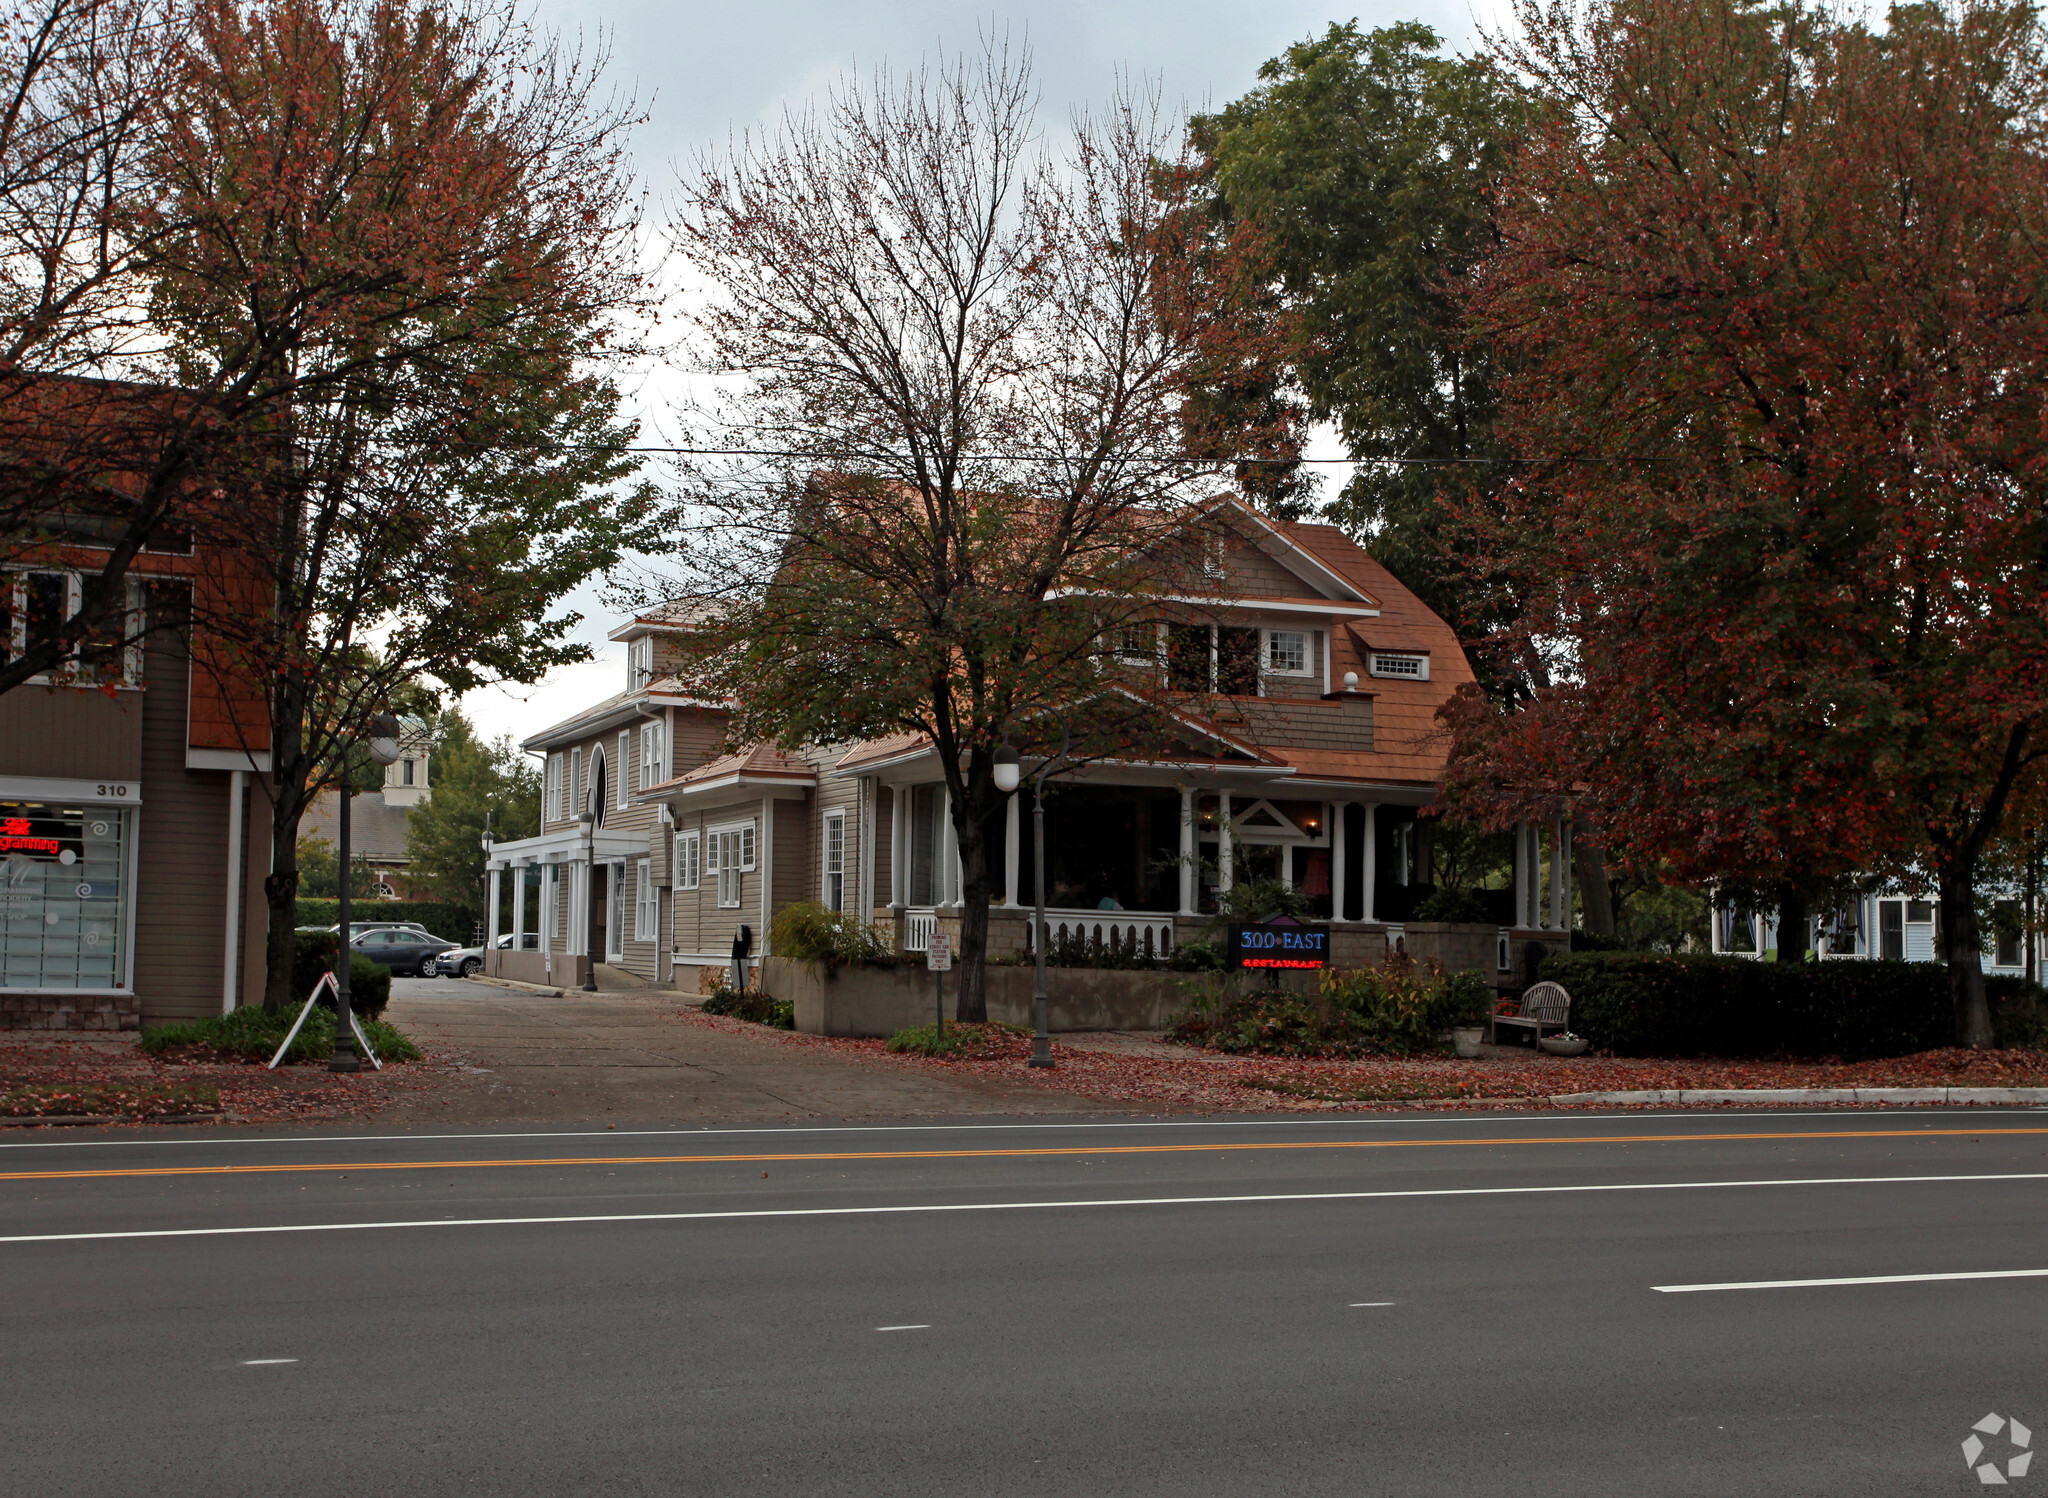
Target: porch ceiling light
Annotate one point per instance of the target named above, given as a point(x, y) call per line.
point(1007, 773)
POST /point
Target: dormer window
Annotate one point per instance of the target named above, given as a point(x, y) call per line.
point(639, 663)
point(1399, 665)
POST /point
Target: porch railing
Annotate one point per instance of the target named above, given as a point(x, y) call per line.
point(1138, 935)
point(918, 927)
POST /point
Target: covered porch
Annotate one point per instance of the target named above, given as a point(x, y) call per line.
point(556, 896)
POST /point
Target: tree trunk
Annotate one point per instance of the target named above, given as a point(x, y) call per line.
point(1596, 894)
point(1962, 950)
point(970, 1004)
point(1794, 923)
point(281, 885)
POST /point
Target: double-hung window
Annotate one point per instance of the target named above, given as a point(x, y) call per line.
point(689, 860)
point(575, 807)
point(652, 771)
point(625, 770)
point(647, 904)
point(835, 861)
point(1287, 653)
point(730, 855)
point(557, 803)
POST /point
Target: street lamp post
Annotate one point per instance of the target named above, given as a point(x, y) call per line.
point(1007, 772)
point(383, 747)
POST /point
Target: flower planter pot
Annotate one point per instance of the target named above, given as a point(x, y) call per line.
point(1565, 1045)
point(1466, 1042)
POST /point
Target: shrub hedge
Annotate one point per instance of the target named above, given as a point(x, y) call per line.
point(369, 983)
point(449, 922)
point(1635, 1004)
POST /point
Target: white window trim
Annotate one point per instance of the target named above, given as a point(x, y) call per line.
point(650, 755)
point(622, 798)
point(833, 820)
point(15, 581)
point(646, 902)
point(731, 880)
point(689, 870)
point(555, 813)
point(1308, 652)
point(573, 809)
point(1375, 666)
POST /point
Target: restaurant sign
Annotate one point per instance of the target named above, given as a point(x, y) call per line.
point(1282, 943)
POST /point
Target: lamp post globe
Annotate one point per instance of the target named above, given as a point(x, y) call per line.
point(1006, 772)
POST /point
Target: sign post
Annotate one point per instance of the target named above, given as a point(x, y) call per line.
point(938, 956)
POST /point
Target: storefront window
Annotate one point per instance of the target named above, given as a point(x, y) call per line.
point(63, 895)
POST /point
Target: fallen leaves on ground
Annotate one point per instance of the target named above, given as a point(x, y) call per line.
point(117, 1080)
point(1176, 1079)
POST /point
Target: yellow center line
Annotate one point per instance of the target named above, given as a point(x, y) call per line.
point(1003, 1154)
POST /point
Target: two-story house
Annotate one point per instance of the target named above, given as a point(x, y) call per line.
point(1305, 743)
point(131, 855)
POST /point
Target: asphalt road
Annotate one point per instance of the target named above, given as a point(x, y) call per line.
point(1420, 1304)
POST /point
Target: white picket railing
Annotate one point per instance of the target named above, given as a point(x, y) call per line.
point(918, 927)
point(1147, 935)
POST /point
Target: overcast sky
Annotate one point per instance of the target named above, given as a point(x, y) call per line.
point(706, 69)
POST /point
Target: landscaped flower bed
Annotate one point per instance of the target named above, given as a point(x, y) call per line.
point(1173, 1079)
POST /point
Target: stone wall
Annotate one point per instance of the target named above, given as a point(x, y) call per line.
point(57, 1011)
point(874, 1001)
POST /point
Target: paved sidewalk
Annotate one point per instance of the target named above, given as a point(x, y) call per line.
point(626, 1058)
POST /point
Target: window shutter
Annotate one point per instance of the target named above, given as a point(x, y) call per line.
point(747, 847)
point(711, 853)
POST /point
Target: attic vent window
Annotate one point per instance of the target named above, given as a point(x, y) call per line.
point(1413, 667)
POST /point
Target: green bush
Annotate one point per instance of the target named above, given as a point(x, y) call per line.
point(369, 983)
point(249, 1031)
point(808, 932)
point(751, 1005)
point(1640, 1005)
point(449, 922)
point(1398, 1009)
point(1461, 905)
point(2019, 1013)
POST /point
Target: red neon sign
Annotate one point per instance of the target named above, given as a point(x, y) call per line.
point(10, 844)
point(1279, 962)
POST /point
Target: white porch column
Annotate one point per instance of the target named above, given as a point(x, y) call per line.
point(1190, 875)
point(1340, 859)
point(1369, 875)
point(949, 856)
point(764, 862)
point(1012, 821)
point(1560, 875)
point(899, 847)
point(491, 923)
point(1226, 851)
point(550, 905)
point(1521, 884)
point(866, 802)
point(519, 908)
point(1535, 912)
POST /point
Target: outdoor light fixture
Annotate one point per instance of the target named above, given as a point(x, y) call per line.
point(1008, 772)
point(382, 732)
point(1350, 681)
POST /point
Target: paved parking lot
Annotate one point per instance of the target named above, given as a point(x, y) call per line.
point(630, 1058)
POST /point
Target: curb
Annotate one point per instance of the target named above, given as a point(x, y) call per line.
point(539, 988)
point(2037, 1095)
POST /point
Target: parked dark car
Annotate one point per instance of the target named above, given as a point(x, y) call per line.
point(403, 949)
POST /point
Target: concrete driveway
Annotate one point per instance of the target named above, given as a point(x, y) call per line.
point(630, 1058)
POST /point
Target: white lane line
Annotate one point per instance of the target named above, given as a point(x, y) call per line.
point(922, 1326)
point(1545, 1116)
point(265, 1362)
point(934, 1207)
point(1861, 1279)
point(1360, 1304)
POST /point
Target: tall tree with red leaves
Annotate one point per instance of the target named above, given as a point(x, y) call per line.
point(1769, 283)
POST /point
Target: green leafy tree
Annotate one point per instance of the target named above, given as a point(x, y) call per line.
point(1365, 162)
point(474, 783)
point(319, 870)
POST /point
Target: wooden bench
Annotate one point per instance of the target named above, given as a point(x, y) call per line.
point(1545, 1010)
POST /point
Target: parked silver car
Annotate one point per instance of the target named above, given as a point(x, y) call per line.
point(466, 962)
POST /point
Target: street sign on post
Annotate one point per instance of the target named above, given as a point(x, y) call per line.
point(938, 956)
